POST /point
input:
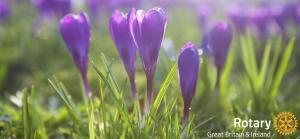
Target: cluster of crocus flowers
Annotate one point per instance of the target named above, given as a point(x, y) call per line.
point(264, 17)
point(75, 32)
point(188, 67)
point(119, 30)
point(4, 10)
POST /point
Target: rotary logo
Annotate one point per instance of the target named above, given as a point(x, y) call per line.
point(285, 123)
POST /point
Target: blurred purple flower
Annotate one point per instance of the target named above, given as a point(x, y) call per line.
point(220, 40)
point(280, 17)
point(238, 17)
point(75, 31)
point(130, 3)
point(4, 10)
point(203, 14)
point(52, 7)
point(95, 7)
point(147, 29)
point(290, 11)
point(298, 15)
point(188, 66)
point(119, 30)
point(260, 19)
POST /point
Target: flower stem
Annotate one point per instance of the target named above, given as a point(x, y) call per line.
point(86, 86)
point(149, 93)
point(186, 111)
point(133, 88)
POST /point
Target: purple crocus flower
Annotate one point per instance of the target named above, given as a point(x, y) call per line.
point(75, 31)
point(147, 29)
point(238, 17)
point(119, 30)
point(4, 10)
point(260, 19)
point(52, 7)
point(188, 66)
point(220, 40)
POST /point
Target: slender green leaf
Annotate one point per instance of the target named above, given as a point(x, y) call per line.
point(264, 65)
point(163, 89)
point(282, 67)
point(26, 120)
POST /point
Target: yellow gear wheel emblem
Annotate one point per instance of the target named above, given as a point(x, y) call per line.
point(285, 123)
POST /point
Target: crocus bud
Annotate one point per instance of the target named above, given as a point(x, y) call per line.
point(119, 30)
point(188, 66)
point(147, 29)
point(260, 19)
point(238, 17)
point(75, 32)
point(220, 40)
point(4, 11)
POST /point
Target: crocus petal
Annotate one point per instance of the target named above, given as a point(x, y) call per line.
point(188, 66)
point(119, 29)
point(76, 34)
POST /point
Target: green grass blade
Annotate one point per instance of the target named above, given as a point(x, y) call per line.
point(163, 89)
point(37, 120)
point(264, 66)
point(121, 105)
point(26, 120)
point(274, 60)
point(91, 120)
point(226, 71)
point(249, 60)
point(282, 67)
point(65, 96)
